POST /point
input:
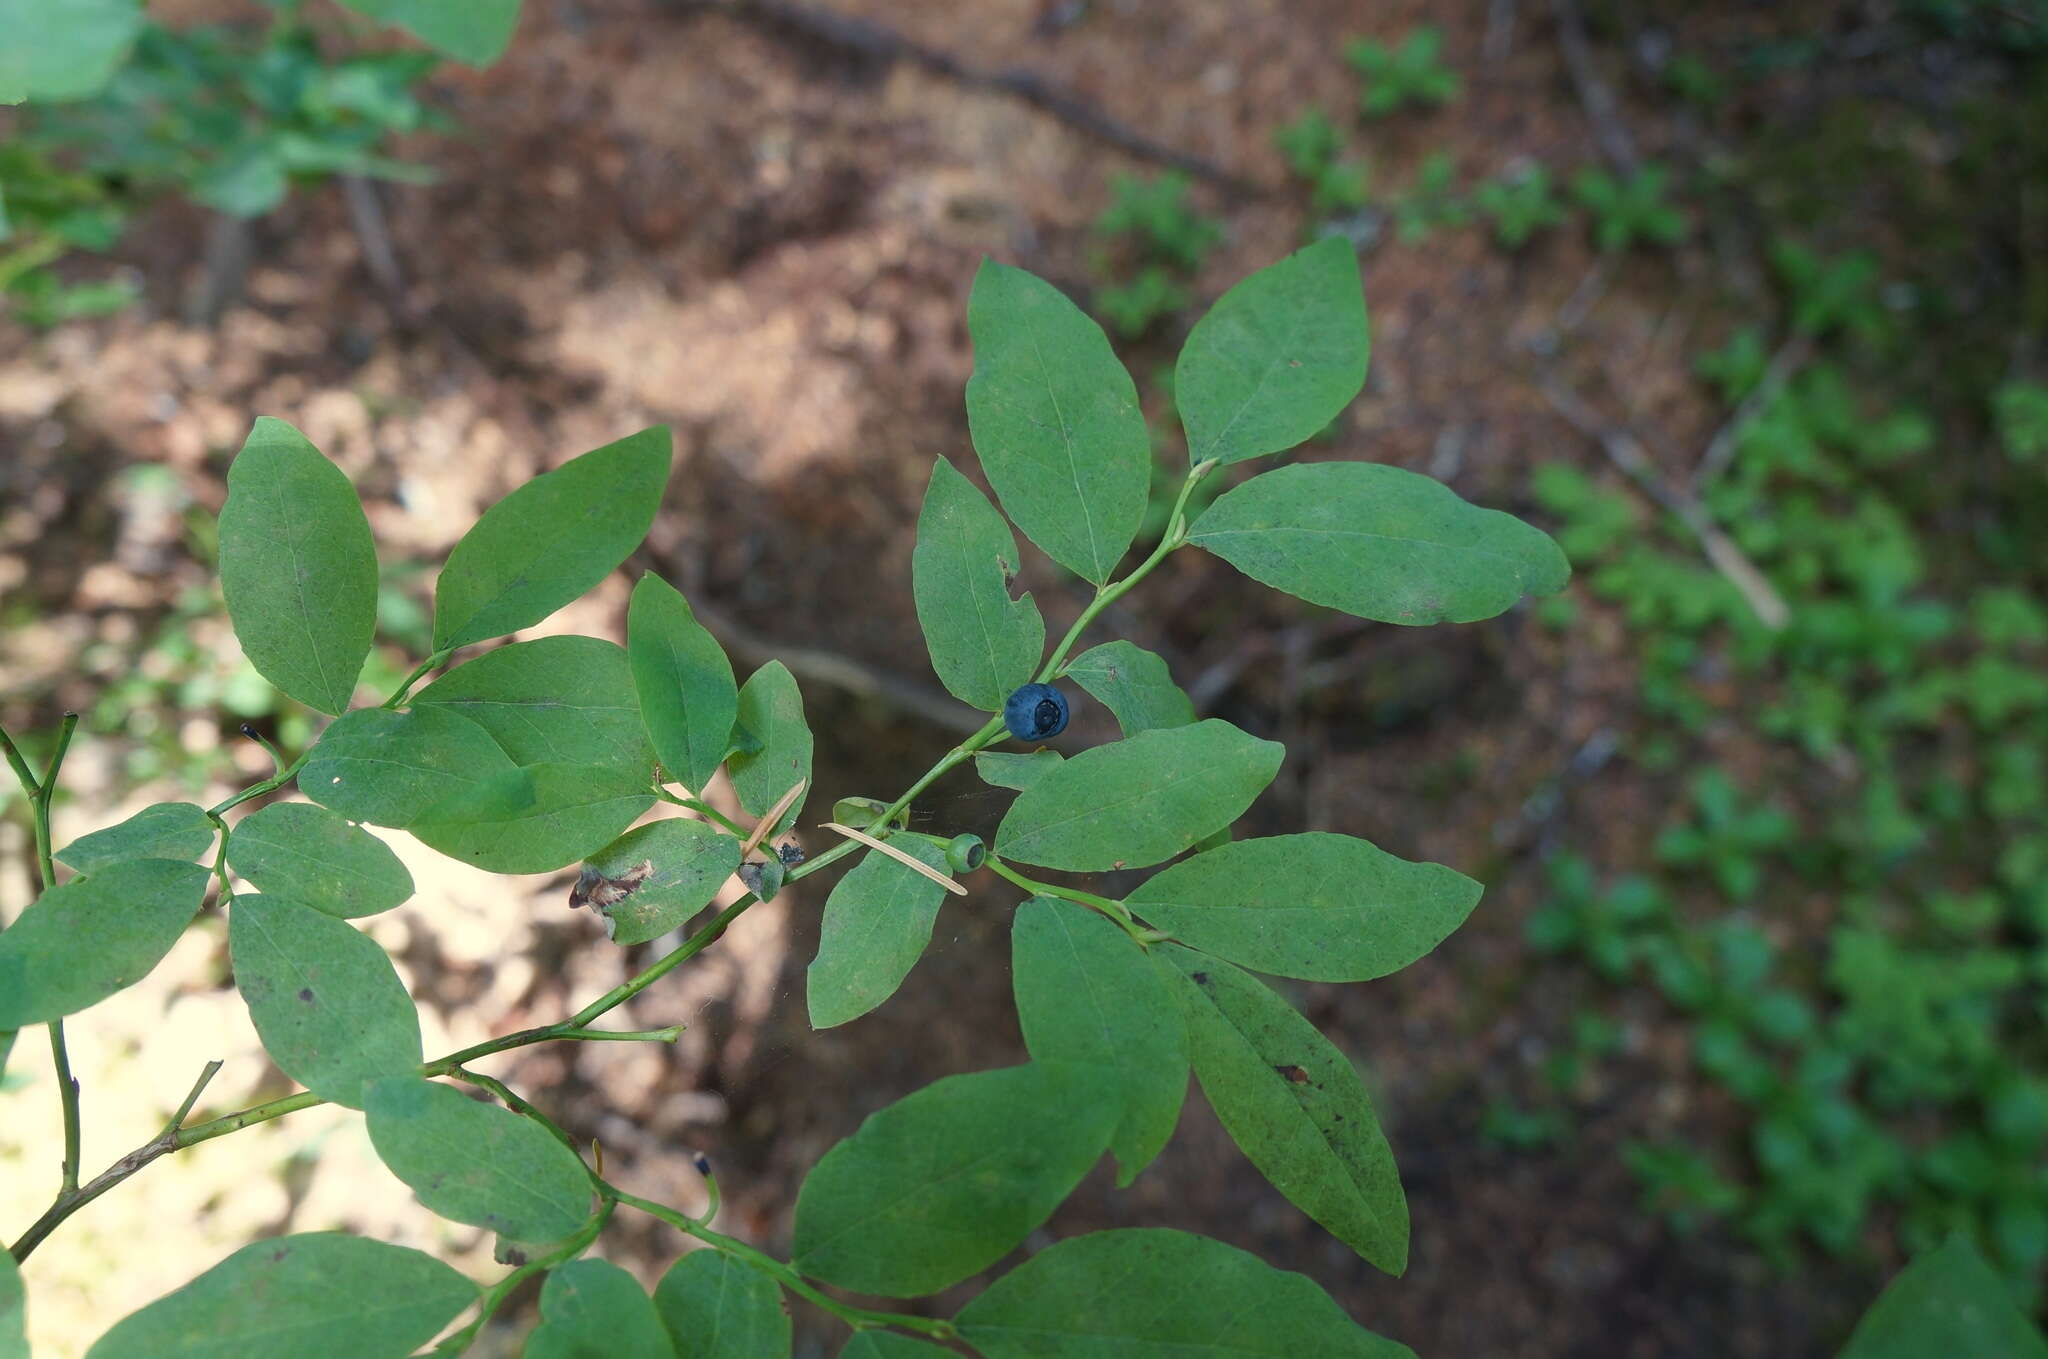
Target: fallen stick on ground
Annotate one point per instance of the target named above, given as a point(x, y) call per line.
point(1626, 452)
point(874, 42)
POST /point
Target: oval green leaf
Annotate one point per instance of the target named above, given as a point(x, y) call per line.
point(324, 1293)
point(717, 1308)
point(326, 1001)
point(771, 710)
point(1142, 1291)
point(168, 830)
point(1317, 906)
point(77, 944)
point(1379, 542)
point(684, 682)
point(1140, 800)
point(876, 926)
point(1948, 1302)
point(554, 700)
point(550, 540)
point(1295, 1106)
point(1134, 684)
point(592, 1309)
point(945, 1182)
point(1087, 993)
point(298, 567)
point(389, 768)
point(474, 32)
point(318, 858)
point(1055, 418)
point(564, 812)
point(478, 1163)
point(983, 643)
point(653, 878)
point(1277, 358)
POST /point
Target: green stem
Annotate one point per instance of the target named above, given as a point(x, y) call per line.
point(22, 772)
point(277, 759)
point(860, 1318)
point(1115, 910)
point(705, 810)
point(405, 685)
point(46, 872)
point(1106, 595)
point(256, 790)
point(494, 1296)
point(667, 1035)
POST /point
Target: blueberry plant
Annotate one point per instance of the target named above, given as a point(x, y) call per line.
point(538, 756)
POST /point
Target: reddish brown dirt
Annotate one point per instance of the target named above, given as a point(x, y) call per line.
point(658, 212)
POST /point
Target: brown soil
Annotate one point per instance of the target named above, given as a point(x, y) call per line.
point(661, 213)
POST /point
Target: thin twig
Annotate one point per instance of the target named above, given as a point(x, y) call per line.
point(1626, 452)
point(366, 214)
point(871, 41)
point(1790, 358)
point(1594, 95)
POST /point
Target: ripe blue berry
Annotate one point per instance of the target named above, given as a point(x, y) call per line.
point(1035, 712)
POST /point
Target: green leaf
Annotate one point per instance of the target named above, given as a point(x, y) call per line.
point(298, 566)
point(316, 858)
point(1140, 800)
point(1134, 684)
point(1147, 1291)
point(13, 1305)
point(890, 1345)
point(326, 1001)
point(592, 1309)
point(983, 644)
point(478, 1163)
point(877, 923)
point(772, 711)
point(554, 700)
point(63, 49)
point(168, 830)
point(1277, 358)
point(77, 944)
point(945, 1182)
point(324, 1293)
point(1379, 543)
point(1055, 419)
point(1317, 906)
point(572, 810)
point(1948, 1302)
point(550, 540)
point(717, 1308)
point(389, 768)
point(471, 31)
point(1295, 1106)
point(1005, 770)
point(685, 863)
point(1087, 993)
point(687, 696)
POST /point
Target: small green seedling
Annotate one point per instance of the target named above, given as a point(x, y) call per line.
point(1410, 74)
point(1519, 205)
point(1631, 211)
point(1153, 235)
point(546, 756)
